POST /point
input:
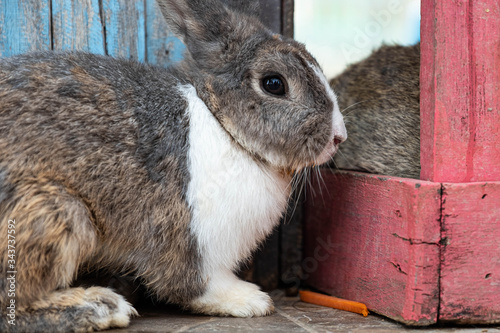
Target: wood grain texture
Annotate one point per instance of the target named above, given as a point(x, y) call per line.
point(76, 25)
point(24, 26)
point(125, 28)
point(470, 271)
point(460, 90)
point(163, 48)
point(375, 240)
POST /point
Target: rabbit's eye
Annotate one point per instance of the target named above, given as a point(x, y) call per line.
point(274, 85)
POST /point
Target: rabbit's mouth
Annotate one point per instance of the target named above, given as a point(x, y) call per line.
point(329, 151)
point(324, 157)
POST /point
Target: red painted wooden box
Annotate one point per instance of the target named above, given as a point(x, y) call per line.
point(428, 250)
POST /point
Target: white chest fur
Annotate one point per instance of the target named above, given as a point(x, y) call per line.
point(235, 201)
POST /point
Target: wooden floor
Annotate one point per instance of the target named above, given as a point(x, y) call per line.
point(291, 316)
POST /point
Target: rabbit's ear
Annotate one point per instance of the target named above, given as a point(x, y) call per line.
point(201, 24)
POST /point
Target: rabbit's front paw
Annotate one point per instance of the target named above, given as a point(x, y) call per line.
point(111, 309)
point(76, 310)
point(237, 299)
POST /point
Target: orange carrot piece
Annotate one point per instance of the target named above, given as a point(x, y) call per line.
point(333, 302)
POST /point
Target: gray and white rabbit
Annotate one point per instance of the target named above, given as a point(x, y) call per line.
point(175, 175)
point(381, 99)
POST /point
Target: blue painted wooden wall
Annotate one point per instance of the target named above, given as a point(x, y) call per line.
point(122, 28)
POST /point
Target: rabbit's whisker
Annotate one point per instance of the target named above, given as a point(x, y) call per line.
point(352, 105)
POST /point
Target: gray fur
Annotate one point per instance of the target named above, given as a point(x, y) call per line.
point(93, 156)
point(52, 316)
point(381, 99)
point(98, 138)
point(5, 187)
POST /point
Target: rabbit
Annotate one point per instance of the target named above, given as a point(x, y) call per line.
point(381, 99)
point(174, 175)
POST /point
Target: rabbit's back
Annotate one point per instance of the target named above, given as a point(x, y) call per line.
point(380, 97)
point(69, 112)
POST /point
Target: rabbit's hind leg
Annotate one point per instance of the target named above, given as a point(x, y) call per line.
point(53, 235)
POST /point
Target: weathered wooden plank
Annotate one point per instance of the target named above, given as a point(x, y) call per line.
point(460, 90)
point(483, 155)
point(24, 26)
point(265, 271)
point(77, 25)
point(470, 269)
point(125, 28)
point(375, 240)
point(163, 48)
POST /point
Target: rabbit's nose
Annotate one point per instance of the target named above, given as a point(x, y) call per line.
point(338, 140)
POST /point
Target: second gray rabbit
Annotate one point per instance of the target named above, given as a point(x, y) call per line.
point(380, 96)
